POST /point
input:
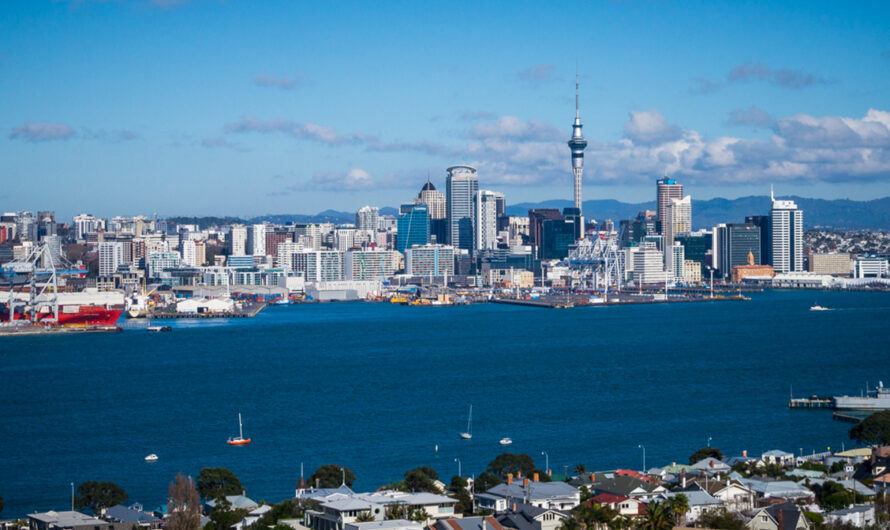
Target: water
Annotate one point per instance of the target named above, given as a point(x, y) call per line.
point(376, 387)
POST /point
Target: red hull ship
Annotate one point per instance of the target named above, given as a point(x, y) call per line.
point(88, 315)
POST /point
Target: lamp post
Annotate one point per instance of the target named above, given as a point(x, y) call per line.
point(72, 496)
point(711, 283)
point(343, 475)
point(643, 447)
point(709, 441)
point(546, 462)
point(458, 466)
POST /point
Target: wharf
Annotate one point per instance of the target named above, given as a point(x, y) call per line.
point(849, 418)
point(812, 402)
point(612, 300)
point(16, 330)
point(534, 303)
point(249, 311)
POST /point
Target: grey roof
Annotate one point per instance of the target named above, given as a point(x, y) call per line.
point(790, 514)
point(710, 464)
point(321, 493)
point(776, 488)
point(517, 521)
point(467, 523)
point(125, 514)
point(777, 452)
point(343, 505)
point(850, 484)
point(622, 485)
point(237, 501)
point(66, 519)
point(389, 524)
point(697, 497)
point(805, 473)
point(856, 508)
point(536, 490)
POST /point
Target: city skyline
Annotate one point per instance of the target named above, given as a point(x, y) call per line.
point(122, 106)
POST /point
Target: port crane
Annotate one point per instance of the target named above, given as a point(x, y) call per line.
point(38, 271)
point(598, 261)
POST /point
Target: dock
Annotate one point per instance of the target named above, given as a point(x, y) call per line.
point(249, 311)
point(23, 330)
point(812, 402)
point(849, 418)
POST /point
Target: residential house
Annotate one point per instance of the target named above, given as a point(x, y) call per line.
point(468, 523)
point(785, 516)
point(70, 520)
point(252, 517)
point(711, 466)
point(391, 524)
point(133, 515)
point(858, 515)
point(339, 509)
point(335, 514)
point(736, 497)
point(550, 495)
point(236, 502)
point(528, 517)
point(699, 501)
point(623, 505)
point(849, 484)
point(783, 489)
point(778, 457)
point(628, 487)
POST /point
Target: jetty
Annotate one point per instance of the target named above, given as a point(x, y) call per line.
point(249, 311)
point(812, 402)
point(27, 329)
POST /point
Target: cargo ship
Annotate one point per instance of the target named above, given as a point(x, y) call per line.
point(82, 309)
point(877, 399)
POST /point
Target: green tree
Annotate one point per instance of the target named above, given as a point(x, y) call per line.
point(833, 496)
point(224, 517)
point(569, 523)
point(421, 479)
point(658, 517)
point(464, 503)
point(679, 506)
point(812, 466)
point(836, 467)
point(289, 509)
point(512, 463)
point(365, 517)
point(99, 495)
point(705, 452)
point(330, 476)
point(184, 505)
point(217, 482)
point(875, 429)
point(720, 520)
point(580, 469)
point(486, 481)
point(814, 517)
point(458, 483)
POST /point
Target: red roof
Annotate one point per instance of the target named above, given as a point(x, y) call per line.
point(608, 498)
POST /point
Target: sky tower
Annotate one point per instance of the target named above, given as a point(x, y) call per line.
point(577, 145)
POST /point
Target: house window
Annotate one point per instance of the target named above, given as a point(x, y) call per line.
point(764, 518)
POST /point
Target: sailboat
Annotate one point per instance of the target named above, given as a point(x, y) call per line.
point(469, 433)
point(240, 440)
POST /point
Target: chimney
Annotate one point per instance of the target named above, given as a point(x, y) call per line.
point(593, 477)
point(745, 453)
point(514, 506)
point(684, 480)
point(519, 474)
point(317, 483)
point(509, 478)
point(525, 482)
point(781, 519)
point(535, 477)
point(483, 524)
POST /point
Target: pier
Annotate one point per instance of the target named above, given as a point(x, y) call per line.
point(812, 402)
point(249, 311)
point(849, 418)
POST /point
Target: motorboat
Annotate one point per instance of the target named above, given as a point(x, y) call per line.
point(151, 458)
point(817, 307)
point(506, 441)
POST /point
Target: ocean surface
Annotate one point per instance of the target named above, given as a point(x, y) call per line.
point(377, 387)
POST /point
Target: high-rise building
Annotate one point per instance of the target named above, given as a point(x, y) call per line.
point(200, 252)
point(577, 144)
point(536, 218)
point(735, 241)
point(111, 255)
point(430, 261)
point(319, 265)
point(461, 186)
point(187, 248)
point(238, 240)
point(486, 229)
point(786, 234)
point(366, 218)
point(434, 200)
point(678, 220)
point(85, 224)
point(363, 265)
point(762, 222)
point(413, 226)
point(275, 237)
point(666, 189)
point(256, 240)
point(648, 266)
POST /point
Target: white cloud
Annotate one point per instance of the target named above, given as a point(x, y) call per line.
point(42, 132)
point(648, 127)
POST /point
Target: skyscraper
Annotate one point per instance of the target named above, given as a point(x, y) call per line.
point(678, 220)
point(667, 189)
point(413, 227)
point(238, 240)
point(486, 225)
point(256, 240)
point(786, 234)
point(434, 200)
point(366, 218)
point(461, 186)
point(577, 143)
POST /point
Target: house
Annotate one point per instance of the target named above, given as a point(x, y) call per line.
point(711, 466)
point(391, 524)
point(880, 460)
point(252, 517)
point(849, 484)
point(236, 502)
point(69, 520)
point(134, 515)
point(528, 517)
point(785, 516)
point(736, 497)
point(699, 501)
point(784, 489)
point(799, 473)
point(628, 487)
point(340, 509)
point(468, 523)
point(621, 504)
point(549, 495)
point(778, 457)
point(858, 515)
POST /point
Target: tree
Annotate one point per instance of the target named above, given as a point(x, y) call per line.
point(569, 523)
point(184, 505)
point(678, 505)
point(365, 517)
point(224, 517)
point(464, 503)
point(580, 469)
point(512, 463)
point(658, 517)
point(289, 509)
point(421, 479)
point(833, 496)
point(813, 466)
point(458, 483)
point(486, 481)
point(720, 520)
point(330, 476)
point(705, 452)
point(99, 495)
point(875, 429)
point(217, 482)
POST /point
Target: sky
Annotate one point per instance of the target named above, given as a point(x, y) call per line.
point(209, 107)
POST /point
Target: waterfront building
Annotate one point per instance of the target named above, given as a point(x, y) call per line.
point(762, 222)
point(366, 218)
point(536, 218)
point(434, 200)
point(835, 263)
point(430, 261)
point(734, 242)
point(691, 271)
point(678, 220)
point(677, 260)
point(413, 227)
point(111, 256)
point(697, 248)
point(648, 266)
point(319, 265)
point(557, 235)
point(256, 240)
point(461, 186)
point(870, 267)
point(238, 240)
point(751, 270)
point(486, 229)
point(365, 265)
point(577, 144)
point(520, 278)
point(666, 189)
point(786, 236)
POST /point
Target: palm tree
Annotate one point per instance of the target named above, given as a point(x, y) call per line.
point(580, 469)
point(396, 511)
point(365, 517)
point(569, 523)
point(678, 505)
point(658, 517)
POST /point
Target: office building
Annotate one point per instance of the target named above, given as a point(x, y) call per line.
point(677, 262)
point(762, 222)
point(486, 229)
point(461, 185)
point(678, 220)
point(238, 240)
point(256, 240)
point(111, 256)
point(735, 242)
point(434, 200)
point(319, 265)
point(536, 219)
point(557, 235)
point(158, 262)
point(870, 267)
point(430, 261)
point(667, 189)
point(366, 265)
point(648, 266)
point(834, 263)
point(366, 218)
point(413, 226)
point(86, 224)
point(786, 236)
point(187, 248)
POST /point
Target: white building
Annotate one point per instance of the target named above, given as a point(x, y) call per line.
point(786, 225)
point(678, 261)
point(461, 186)
point(364, 265)
point(157, 262)
point(870, 267)
point(434, 201)
point(86, 224)
point(256, 240)
point(648, 266)
point(485, 203)
point(238, 240)
point(366, 218)
point(189, 253)
point(111, 256)
point(678, 220)
point(344, 238)
point(319, 265)
point(285, 253)
point(430, 261)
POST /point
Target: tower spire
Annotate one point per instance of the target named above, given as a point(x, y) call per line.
point(577, 143)
point(577, 104)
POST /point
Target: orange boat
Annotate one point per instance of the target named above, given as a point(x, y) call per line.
point(240, 440)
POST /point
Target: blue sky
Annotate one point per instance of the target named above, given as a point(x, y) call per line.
point(246, 108)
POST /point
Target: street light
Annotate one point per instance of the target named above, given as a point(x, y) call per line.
point(458, 466)
point(641, 446)
point(546, 462)
point(343, 475)
point(709, 441)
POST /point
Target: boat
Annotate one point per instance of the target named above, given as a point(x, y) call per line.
point(817, 307)
point(877, 399)
point(240, 440)
point(506, 441)
point(469, 433)
point(75, 309)
point(151, 458)
point(159, 328)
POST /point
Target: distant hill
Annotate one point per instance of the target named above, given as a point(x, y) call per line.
point(834, 214)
